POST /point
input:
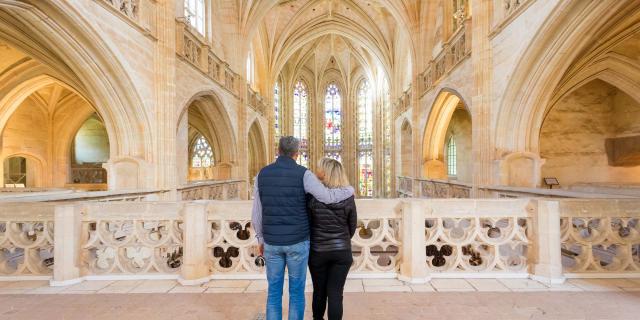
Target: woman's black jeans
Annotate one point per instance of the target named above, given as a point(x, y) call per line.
point(329, 272)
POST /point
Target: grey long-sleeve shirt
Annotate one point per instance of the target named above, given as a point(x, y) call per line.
point(312, 185)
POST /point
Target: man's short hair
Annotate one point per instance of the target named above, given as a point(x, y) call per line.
point(288, 146)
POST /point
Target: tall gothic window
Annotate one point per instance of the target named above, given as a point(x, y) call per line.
point(386, 110)
point(194, 12)
point(276, 109)
point(365, 139)
point(202, 154)
point(301, 121)
point(333, 123)
point(452, 158)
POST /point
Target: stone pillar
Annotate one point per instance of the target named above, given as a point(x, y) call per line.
point(548, 257)
point(413, 268)
point(66, 245)
point(164, 62)
point(195, 268)
point(479, 29)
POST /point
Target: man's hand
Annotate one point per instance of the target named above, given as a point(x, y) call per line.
point(261, 249)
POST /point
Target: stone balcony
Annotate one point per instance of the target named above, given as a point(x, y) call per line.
point(501, 258)
point(413, 240)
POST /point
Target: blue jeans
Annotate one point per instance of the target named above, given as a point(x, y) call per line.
point(295, 258)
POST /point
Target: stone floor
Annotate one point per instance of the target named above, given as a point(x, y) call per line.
point(366, 299)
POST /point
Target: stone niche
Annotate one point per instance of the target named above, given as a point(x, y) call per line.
point(592, 136)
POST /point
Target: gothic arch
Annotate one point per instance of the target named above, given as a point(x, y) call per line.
point(36, 171)
point(214, 124)
point(433, 142)
point(66, 43)
point(544, 64)
point(257, 149)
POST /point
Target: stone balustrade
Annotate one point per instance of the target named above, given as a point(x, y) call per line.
point(68, 195)
point(440, 189)
point(445, 189)
point(600, 236)
point(454, 51)
point(26, 241)
point(403, 103)
point(404, 187)
point(256, 102)
point(410, 239)
point(211, 190)
point(195, 50)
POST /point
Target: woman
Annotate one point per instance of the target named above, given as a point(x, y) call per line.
point(332, 226)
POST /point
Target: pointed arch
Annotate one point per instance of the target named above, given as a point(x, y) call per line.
point(435, 132)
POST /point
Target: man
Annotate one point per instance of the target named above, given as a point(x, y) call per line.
point(281, 223)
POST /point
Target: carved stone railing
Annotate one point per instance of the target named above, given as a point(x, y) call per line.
point(478, 236)
point(256, 101)
point(62, 195)
point(454, 51)
point(141, 239)
point(600, 237)
point(211, 190)
point(194, 49)
point(502, 192)
point(441, 189)
point(232, 246)
point(88, 175)
point(411, 239)
point(403, 103)
point(138, 13)
point(26, 241)
point(404, 187)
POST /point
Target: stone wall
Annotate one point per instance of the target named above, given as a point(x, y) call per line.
point(572, 139)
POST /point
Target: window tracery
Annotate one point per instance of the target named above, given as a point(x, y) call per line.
point(452, 157)
point(194, 13)
point(301, 121)
point(365, 139)
point(202, 154)
point(333, 123)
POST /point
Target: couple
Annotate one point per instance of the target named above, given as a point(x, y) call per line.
point(302, 219)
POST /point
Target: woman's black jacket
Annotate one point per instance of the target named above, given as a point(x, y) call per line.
point(332, 225)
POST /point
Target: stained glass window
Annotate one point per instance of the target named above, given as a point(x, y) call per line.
point(387, 116)
point(301, 121)
point(194, 13)
point(202, 154)
point(452, 158)
point(365, 172)
point(365, 139)
point(332, 122)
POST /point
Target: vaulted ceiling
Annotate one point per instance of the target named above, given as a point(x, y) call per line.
point(311, 33)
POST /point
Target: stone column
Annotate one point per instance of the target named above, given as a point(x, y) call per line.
point(66, 245)
point(548, 257)
point(413, 268)
point(195, 268)
point(165, 103)
point(478, 28)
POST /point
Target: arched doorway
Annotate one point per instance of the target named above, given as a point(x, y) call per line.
point(89, 151)
point(257, 151)
point(205, 134)
point(447, 140)
point(46, 42)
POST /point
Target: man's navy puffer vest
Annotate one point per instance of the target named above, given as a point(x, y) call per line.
point(284, 212)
